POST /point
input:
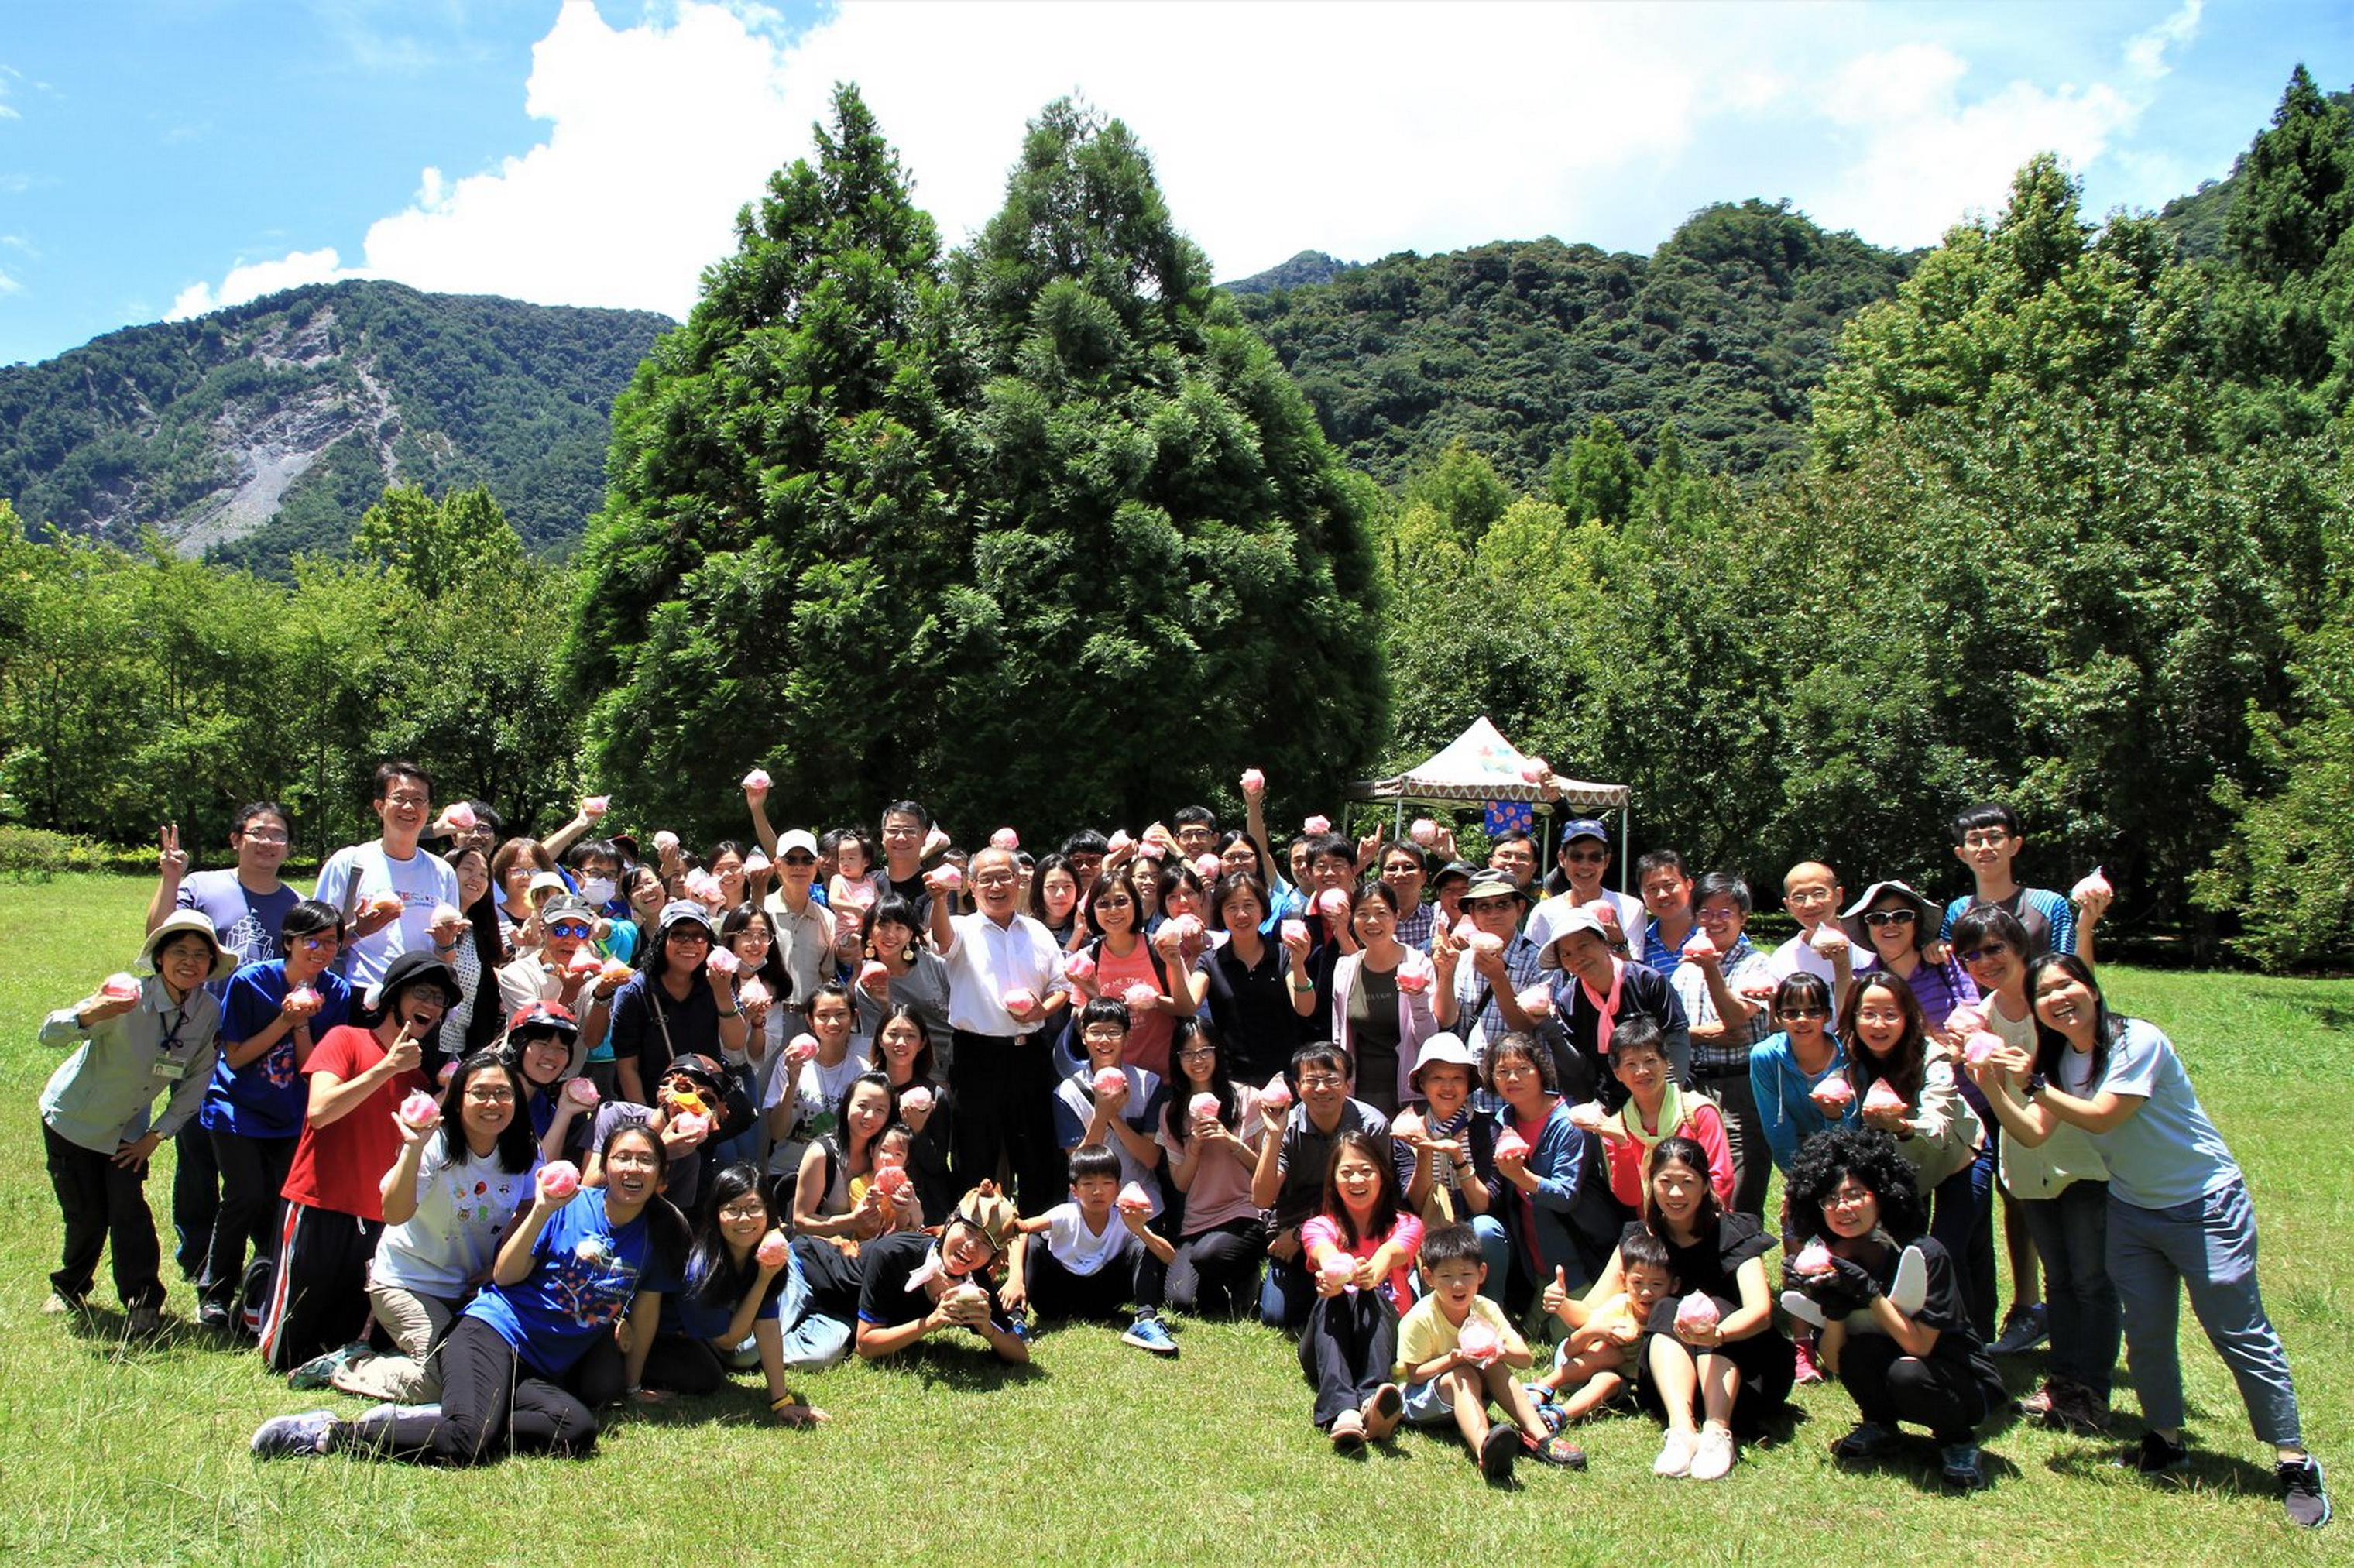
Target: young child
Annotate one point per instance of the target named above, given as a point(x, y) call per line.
point(1098, 1254)
point(1123, 1119)
point(136, 1039)
point(1600, 1360)
point(1359, 1247)
point(853, 886)
point(1457, 1354)
point(901, 1207)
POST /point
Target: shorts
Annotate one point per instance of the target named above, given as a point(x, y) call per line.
point(1429, 1404)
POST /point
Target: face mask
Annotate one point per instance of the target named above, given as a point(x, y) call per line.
point(598, 889)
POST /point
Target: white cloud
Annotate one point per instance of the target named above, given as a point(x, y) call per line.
point(251, 280)
point(2145, 52)
point(9, 286)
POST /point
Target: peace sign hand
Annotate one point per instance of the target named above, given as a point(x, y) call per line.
point(171, 860)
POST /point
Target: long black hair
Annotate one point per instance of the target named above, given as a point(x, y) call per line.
point(1687, 1152)
point(516, 1147)
point(2050, 1045)
point(665, 1226)
point(1184, 1033)
point(713, 1277)
point(1388, 1200)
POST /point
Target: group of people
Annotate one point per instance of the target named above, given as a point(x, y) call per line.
point(496, 1132)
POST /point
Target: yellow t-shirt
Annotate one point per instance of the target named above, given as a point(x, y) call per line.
point(1425, 1334)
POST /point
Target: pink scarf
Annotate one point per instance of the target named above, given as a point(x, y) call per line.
point(1608, 1006)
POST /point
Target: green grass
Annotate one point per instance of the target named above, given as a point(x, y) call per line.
point(115, 1454)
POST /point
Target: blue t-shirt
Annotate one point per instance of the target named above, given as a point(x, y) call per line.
point(265, 1097)
point(248, 922)
point(685, 1314)
point(2166, 1153)
point(585, 1276)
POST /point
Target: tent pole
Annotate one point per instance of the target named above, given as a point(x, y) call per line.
point(1626, 827)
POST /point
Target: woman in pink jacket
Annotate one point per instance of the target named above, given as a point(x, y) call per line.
point(1380, 1002)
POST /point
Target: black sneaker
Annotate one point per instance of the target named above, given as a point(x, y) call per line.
point(2154, 1456)
point(2301, 1492)
point(1496, 1452)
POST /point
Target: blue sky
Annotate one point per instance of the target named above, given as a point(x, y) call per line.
point(160, 157)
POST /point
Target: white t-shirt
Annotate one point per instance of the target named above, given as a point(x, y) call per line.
point(816, 1090)
point(420, 881)
point(461, 1212)
point(1078, 1249)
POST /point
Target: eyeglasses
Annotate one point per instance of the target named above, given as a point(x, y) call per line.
point(1880, 918)
point(801, 859)
point(327, 940)
point(681, 1081)
point(1991, 838)
point(1476, 905)
point(1797, 1014)
point(569, 929)
point(1199, 1053)
point(996, 878)
point(264, 836)
point(1986, 954)
point(1319, 1081)
point(1515, 1070)
point(1120, 903)
point(419, 801)
point(737, 1213)
point(692, 937)
point(490, 1096)
point(1103, 1032)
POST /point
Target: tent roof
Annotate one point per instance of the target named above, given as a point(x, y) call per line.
point(1481, 765)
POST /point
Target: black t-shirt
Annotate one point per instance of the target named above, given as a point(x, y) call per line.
point(1373, 1030)
point(832, 1276)
point(884, 1266)
point(652, 1027)
point(1709, 1265)
point(1251, 1008)
point(1943, 1310)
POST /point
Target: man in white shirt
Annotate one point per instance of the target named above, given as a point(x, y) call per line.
point(803, 926)
point(1005, 988)
point(387, 890)
point(1585, 861)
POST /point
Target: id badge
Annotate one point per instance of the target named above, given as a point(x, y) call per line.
point(170, 1070)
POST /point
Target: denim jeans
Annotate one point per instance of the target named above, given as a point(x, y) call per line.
point(813, 1341)
point(2072, 1238)
point(2207, 1247)
point(1963, 1224)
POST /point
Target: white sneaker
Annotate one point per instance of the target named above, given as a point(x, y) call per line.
point(1713, 1459)
point(1675, 1455)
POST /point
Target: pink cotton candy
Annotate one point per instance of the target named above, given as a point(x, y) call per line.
point(2097, 885)
point(1696, 1311)
point(1880, 1097)
point(1005, 839)
point(1316, 827)
point(1080, 966)
point(443, 915)
point(596, 805)
point(1188, 928)
point(934, 842)
point(691, 1125)
point(1829, 940)
point(1965, 1020)
point(758, 779)
point(1423, 832)
point(1118, 841)
point(722, 963)
point(1254, 781)
point(1020, 1000)
point(584, 961)
point(1202, 1108)
point(305, 997)
point(1275, 1096)
point(581, 1091)
point(559, 1178)
point(1108, 1081)
point(1138, 996)
point(917, 1100)
point(1534, 770)
point(800, 1048)
point(1814, 1260)
point(1295, 930)
point(665, 842)
point(386, 904)
point(1510, 1145)
point(892, 1181)
point(462, 817)
point(1207, 866)
point(1133, 1200)
point(420, 1109)
point(773, 1250)
point(754, 992)
point(1536, 1001)
point(1835, 1090)
point(1486, 944)
point(1337, 1268)
point(1980, 1045)
point(118, 987)
point(1414, 982)
point(1701, 946)
point(1477, 1339)
point(949, 876)
point(871, 973)
point(1466, 928)
point(615, 971)
point(756, 862)
point(1332, 903)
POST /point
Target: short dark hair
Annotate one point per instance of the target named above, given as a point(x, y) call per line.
point(387, 773)
point(1658, 860)
point(258, 809)
point(1322, 1053)
point(1093, 1159)
point(1403, 846)
point(1105, 1010)
point(1450, 1243)
point(1988, 814)
point(909, 809)
point(1529, 1049)
point(1087, 840)
point(1644, 1249)
point(308, 919)
point(1194, 816)
point(1723, 884)
point(594, 849)
point(1322, 844)
point(1973, 925)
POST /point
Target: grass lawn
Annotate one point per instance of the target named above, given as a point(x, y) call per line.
point(110, 1453)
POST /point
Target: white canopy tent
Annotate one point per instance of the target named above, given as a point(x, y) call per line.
point(1479, 766)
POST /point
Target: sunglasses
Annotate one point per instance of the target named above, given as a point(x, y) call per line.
point(569, 929)
point(1803, 1012)
point(1588, 857)
point(1986, 954)
point(1880, 918)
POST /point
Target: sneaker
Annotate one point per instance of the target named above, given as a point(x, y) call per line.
point(2302, 1493)
point(1960, 1466)
point(1496, 1452)
point(2023, 1330)
point(1382, 1412)
point(1675, 1454)
point(60, 1305)
point(1802, 1352)
point(1867, 1439)
point(1554, 1450)
point(1148, 1334)
point(1348, 1431)
point(215, 1318)
point(1713, 1460)
point(2079, 1410)
point(1910, 1290)
point(302, 1436)
point(143, 1322)
point(2038, 1406)
point(2154, 1456)
point(372, 1428)
point(320, 1370)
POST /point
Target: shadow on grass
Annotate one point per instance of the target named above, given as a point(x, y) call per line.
point(961, 1368)
point(1919, 1461)
point(2328, 1014)
point(2207, 1472)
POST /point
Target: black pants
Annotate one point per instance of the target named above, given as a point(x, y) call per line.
point(195, 1197)
point(1744, 1137)
point(318, 1299)
point(252, 1173)
point(1348, 1350)
point(681, 1365)
point(105, 1206)
point(1004, 1092)
point(1216, 1271)
point(488, 1407)
point(1055, 1292)
point(1889, 1386)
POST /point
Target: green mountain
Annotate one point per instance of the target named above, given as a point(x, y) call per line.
point(1308, 267)
point(269, 428)
point(2196, 220)
point(1514, 347)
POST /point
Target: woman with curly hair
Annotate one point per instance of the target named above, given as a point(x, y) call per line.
point(1896, 1332)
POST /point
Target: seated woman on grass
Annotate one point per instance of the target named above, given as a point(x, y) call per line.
point(741, 1279)
point(913, 1287)
point(1360, 1249)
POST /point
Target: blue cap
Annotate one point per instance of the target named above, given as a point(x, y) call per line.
point(1584, 828)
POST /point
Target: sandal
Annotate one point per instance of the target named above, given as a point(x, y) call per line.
point(1348, 1431)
